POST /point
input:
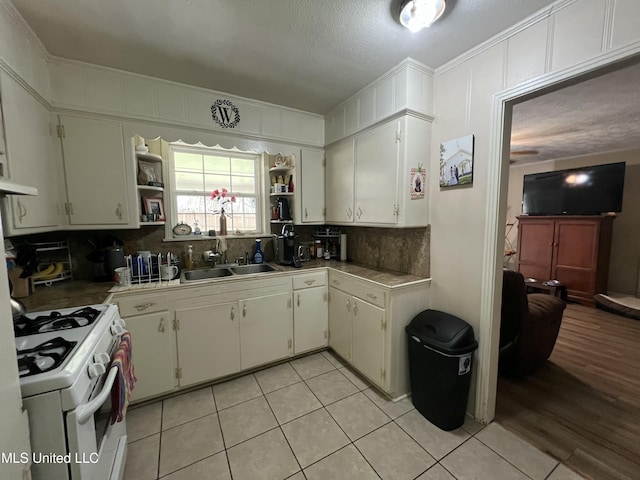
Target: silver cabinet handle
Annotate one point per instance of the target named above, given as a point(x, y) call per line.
point(359, 213)
point(22, 211)
point(143, 306)
point(119, 211)
point(233, 312)
point(348, 305)
point(335, 282)
point(244, 310)
point(349, 212)
point(309, 282)
point(306, 214)
point(371, 295)
point(298, 300)
point(355, 308)
point(161, 325)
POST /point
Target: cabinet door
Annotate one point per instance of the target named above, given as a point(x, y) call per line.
point(368, 340)
point(94, 169)
point(310, 319)
point(311, 186)
point(339, 173)
point(152, 353)
point(535, 248)
point(208, 342)
point(576, 255)
point(266, 328)
point(340, 322)
point(376, 175)
point(30, 160)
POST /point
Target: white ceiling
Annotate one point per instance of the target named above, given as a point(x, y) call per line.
point(313, 54)
point(305, 54)
point(597, 115)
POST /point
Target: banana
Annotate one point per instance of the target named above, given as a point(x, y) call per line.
point(47, 271)
point(57, 270)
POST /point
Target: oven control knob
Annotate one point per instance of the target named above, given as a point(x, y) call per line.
point(117, 330)
point(102, 358)
point(120, 322)
point(96, 369)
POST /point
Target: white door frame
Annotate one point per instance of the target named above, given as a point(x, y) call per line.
point(497, 185)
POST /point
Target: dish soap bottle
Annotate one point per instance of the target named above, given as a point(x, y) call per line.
point(258, 256)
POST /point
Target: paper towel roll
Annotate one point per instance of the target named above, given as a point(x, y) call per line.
point(343, 247)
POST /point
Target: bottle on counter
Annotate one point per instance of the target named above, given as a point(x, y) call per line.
point(189, 257)
point(319, 249)
point(258, 256)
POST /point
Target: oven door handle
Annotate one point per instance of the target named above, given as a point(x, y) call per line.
point(86, 411)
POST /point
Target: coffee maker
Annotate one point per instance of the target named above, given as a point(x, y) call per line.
point(286, 246)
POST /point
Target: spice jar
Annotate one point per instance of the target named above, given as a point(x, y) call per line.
point(319, 249)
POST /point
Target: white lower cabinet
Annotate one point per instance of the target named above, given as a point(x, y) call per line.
point(310, 315)
point(266, 327)
point(340, 322)
point(367, 343)
point(153, 353)
point(366, 327)
point(208, 341)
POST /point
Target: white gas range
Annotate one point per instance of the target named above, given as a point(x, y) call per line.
point(64, 360)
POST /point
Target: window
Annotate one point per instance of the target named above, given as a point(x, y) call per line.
point(197, 172)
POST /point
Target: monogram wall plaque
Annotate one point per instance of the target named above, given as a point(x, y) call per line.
point(225, 113)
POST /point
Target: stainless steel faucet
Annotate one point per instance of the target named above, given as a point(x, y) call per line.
point(212, 255)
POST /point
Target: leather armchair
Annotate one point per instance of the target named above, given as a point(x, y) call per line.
point(529, 326)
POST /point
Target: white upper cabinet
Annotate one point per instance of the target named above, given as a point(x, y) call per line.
point(30, 161)
point(339, 177)
point(380, 166)
point(95, 173)
point(311, 186)
point(376, 174)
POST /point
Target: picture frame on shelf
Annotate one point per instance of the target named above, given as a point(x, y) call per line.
point(149, 173)
point(155, 206)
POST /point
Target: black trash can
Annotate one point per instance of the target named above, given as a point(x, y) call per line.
point(441, 348)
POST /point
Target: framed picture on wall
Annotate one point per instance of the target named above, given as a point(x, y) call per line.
point(456, 162)
point(154, 206)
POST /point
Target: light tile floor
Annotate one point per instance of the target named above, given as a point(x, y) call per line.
point(313, 418)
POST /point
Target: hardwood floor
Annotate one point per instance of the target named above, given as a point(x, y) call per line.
point(583, 406)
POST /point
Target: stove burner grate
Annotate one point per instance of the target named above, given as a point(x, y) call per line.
point(54, 321)
point(46, 356)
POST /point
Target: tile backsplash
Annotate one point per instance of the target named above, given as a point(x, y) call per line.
point(402, 250)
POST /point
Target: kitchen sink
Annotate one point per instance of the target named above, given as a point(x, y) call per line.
point(255, 268)
point(200, 274)
point(204, 274)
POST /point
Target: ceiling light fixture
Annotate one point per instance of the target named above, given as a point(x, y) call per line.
point(419, 14)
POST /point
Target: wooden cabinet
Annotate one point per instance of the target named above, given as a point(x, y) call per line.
point(266, 328)
point(30, 161)
point(310, 186)
point(310, 315)
point(573, 250)
point(377, 166)
point(339, 177)
point(208, 340)
point(153, 354)
point(94, 171)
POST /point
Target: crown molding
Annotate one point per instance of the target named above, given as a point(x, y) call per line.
point(541, 15)
point(24, 26)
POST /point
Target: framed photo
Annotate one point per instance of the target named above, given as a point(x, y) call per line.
point(456, 162)
point(154, 206)
point(150, 173)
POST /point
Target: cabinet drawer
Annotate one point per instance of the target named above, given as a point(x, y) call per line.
point(308, 280)
point(138, 305)
point(361, 289)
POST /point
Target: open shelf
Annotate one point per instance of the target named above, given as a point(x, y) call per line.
point(149, 156)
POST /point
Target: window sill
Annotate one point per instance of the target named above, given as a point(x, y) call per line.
point(196, 238)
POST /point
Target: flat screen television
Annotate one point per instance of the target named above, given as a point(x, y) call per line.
point(576, 191)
